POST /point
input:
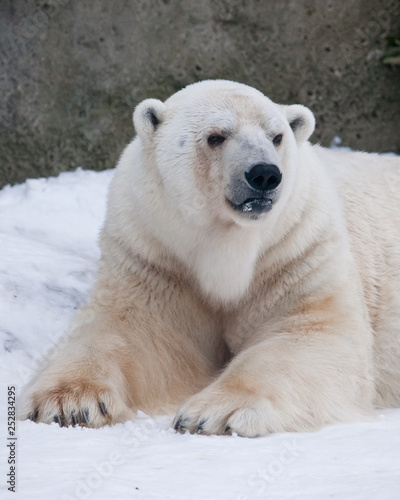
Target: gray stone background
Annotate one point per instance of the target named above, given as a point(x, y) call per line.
point(71, 71)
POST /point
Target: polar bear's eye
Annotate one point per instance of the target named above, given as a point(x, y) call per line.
point(215, 140)
point(277, 140)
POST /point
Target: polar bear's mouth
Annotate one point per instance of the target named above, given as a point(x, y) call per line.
point(254, 206)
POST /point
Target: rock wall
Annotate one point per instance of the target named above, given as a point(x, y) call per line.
point(71, 72)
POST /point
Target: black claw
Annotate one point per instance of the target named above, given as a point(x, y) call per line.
point(227, 428)
point(200, 426)
point(103, 408)
point(34, 416)
point(177, 426)
point(85, 415)
point(73, 418)
point(181, 424)
point(57, 419)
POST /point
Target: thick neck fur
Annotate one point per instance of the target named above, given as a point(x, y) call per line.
point(222, 258)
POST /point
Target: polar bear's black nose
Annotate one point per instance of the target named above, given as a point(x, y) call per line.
point(264, 177)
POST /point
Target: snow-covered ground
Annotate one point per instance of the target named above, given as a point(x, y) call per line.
point(48, 253)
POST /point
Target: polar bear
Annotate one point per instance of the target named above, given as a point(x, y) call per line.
point(249, 281)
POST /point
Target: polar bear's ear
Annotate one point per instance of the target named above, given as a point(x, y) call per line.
point(147, 117)
point(301, 121)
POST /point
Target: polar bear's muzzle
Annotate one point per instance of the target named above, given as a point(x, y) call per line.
point(256, 191)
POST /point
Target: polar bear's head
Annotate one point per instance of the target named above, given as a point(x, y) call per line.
point(222, 150)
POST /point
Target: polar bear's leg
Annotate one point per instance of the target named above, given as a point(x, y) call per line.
point(296, 380)
point(121, 357)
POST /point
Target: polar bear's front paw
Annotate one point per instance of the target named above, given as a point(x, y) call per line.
point(219, 416)
point(224, 412)
point(75, 403)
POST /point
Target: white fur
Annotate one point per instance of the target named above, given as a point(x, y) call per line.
point(285, 322)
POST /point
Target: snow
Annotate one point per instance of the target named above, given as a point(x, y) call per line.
point(48, 255)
